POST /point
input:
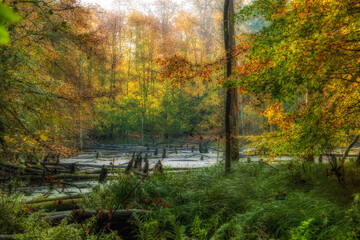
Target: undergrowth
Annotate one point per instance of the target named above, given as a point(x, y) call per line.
point(255, 201)
point(16, 221)
point(11, 213)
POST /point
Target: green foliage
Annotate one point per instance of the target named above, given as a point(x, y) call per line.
point(346, 227)
point(305, 59)
point(175, 113)
point(303, 231)
point(160, 225)
point(15, 220)
point(208, 204)
point(38, 97)
point(36, 227)
point(12, 214)
point(7, 16)
point(197, 231)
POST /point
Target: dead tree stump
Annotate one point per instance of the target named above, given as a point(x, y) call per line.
point(164, 153)
point(103, 174)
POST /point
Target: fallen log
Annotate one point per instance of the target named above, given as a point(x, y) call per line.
point(339, 155)
point(89, 165)
point(8, 237)
point(61, 177)
point(103, 216)
point(183, 160)
point(47, 199)
point(19, 167)
point(58, 205)
point(267, 164)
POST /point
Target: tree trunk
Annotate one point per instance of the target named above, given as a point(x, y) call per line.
point(234, 125)
point(231, 108)
point(80, 105)
point(349, 148)
point(358, 160)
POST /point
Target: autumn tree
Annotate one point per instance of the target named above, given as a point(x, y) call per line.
point(305, 62)
point(153, 104)
point(42, 84)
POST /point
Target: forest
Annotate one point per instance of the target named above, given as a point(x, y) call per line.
point(191, 119)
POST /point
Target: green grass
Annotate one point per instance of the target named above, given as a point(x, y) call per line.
point(253, 202)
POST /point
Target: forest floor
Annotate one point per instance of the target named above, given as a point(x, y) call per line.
point(282, 200)
point(254, 201)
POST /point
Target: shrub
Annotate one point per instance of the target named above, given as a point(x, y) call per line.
point(11, 214)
